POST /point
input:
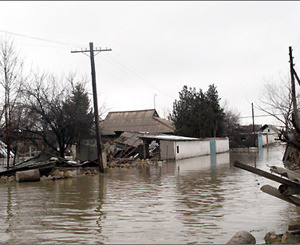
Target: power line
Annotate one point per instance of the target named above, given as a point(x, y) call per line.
point(37, 38)
point(262, 116)
point(126, 67)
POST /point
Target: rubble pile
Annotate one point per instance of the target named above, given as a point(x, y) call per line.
point(287, 237)
point(139, 163)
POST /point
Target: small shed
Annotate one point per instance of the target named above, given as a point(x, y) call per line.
point(180, 147)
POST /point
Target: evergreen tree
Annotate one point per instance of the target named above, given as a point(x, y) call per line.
point(198, 114)
point(214, 112)
point(77, 110)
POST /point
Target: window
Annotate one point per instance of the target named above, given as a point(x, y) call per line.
point(178, 149)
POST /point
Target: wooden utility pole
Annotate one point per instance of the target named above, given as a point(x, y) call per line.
point(253, 127)
point(294, 102)
point(93, 72)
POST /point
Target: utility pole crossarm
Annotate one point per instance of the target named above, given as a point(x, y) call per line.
point(88, 51)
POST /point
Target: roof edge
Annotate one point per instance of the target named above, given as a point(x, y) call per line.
point(132, 111)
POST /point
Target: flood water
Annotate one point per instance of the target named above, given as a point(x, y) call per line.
point(198, 200)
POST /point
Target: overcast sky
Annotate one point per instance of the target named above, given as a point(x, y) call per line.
point(158, 47)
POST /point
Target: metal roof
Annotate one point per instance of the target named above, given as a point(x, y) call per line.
point(135, 121)
point(176, 137)
point(274, 128)
point(171, 137)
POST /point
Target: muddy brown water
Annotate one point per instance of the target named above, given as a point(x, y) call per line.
point(197, 200)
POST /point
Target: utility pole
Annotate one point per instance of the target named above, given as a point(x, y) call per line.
point(93, 72)
point(293, 87)
point(253, 128)
point(154, 100)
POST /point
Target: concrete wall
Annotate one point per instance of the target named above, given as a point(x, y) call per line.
point(186, 149)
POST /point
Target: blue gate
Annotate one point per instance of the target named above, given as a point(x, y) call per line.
point(212, 145)
point(259, 141)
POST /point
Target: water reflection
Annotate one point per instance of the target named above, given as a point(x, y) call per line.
point(201, 195)
point(197, 200)
point(203, 163)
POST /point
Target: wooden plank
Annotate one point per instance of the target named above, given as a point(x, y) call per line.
point(267, 175)
point(275, 192)
point(292, 175)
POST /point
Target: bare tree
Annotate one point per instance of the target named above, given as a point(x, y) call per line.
point(57, 111)
point(11, 81)
point(276, 100)
point(231, 125)
point(232, 118)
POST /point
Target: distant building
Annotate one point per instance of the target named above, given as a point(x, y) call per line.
point(244, 136)
point(263, 135)
point(269, 129)
point(268, 134)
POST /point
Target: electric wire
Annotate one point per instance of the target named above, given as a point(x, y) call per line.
point(38, 38)
point(126, 67)
point(136, 74)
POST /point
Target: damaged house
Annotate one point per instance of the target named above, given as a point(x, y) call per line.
point(121, 131)
point(143, 134)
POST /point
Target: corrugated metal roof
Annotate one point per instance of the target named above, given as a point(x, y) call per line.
point(135, 121)
point(129, 139)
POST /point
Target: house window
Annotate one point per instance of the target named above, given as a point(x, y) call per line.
point(269, 130)
point(178, 149)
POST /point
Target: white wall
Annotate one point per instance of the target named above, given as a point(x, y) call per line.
point(187, 149)
point(269, 131)
point(192, 148)
point(222, 145)
point(268, 139)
